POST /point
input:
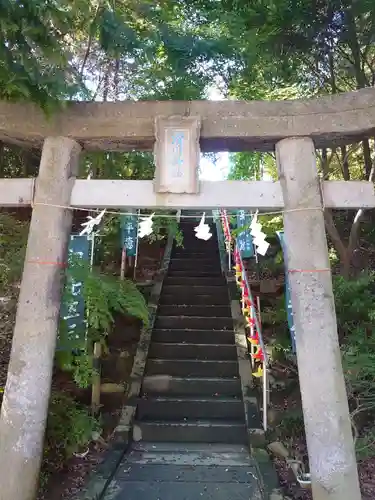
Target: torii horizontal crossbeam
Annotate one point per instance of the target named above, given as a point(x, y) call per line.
point(226, 125)
point(262, 195)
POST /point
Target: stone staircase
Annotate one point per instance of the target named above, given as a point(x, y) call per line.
point(191, 390)
point(190, 435)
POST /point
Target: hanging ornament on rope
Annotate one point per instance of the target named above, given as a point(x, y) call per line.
point(238, 273)
point(259, 372)
point(250, 322)
point(145, 226)
point(89, 225)
point(254, 339)
point(259, 238)
point(202, 231)
point(226, 230)
point(245, 310)
point(258, 354)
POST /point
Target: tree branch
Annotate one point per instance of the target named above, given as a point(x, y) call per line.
point(354, 231)
point(334, 235)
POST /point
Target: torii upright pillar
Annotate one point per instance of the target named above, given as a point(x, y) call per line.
point(330, 444)
point(25, 404)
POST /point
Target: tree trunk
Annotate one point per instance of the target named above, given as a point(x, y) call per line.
point(344, 257)
point(325, 164)
point(355, 49)
point(367, 158)
point(345, 163)
point(346, 252)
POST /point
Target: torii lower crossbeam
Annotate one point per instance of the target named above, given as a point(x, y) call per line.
point(262, 195)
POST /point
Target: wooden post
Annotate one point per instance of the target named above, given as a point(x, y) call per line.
point(331, 451)
point(96, 379)
point(123, 264)
point(25, 405)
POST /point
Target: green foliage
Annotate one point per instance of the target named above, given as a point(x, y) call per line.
point(163, 226)
point(292, 424)
point(253, 166)
point(70, 428)
point(34, 57)
point(118, 165)
point(355, 303)
point(355, 308)
point(51, 50)
point(365, 445)
point(275, 314)
point(13, 238)
point(271, 224)
point(103, 296)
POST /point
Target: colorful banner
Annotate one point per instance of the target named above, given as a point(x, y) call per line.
point(288, 300)
point(244, 239)
point(74, 311)
point(129, 234)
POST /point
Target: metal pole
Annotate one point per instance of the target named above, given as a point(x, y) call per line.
point(92, 250)
point(265, 396)
point(136, 248)
point(92, 238)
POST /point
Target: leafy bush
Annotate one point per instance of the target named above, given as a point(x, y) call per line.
point(275, 314)
point(292, 423)
point(355, 309)
point(13, 238)
point(103, 295)
point(163, 226)
point(355, 303)
point(70, 428)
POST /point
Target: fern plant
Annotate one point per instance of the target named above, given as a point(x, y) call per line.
point(103, 296)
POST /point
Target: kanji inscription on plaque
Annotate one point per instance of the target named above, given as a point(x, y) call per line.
point(177, 154)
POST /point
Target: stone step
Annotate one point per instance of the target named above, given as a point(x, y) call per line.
point(196, 281)
point(208, 311)
point(191, 299)
point(202, 386)
point(191, 239)
point(162, 408)
point(192, 351)
point(123, 489)
point(193, 454)
point(183, 254)
point(208, 247)
point(199, 431)
point(188, 263)
point(195, 273)
point(186, 293)
point(192, 368)
point(185, 474)
point(193, 336)
point(193, 322)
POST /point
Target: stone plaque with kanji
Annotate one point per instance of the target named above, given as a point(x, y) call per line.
point(177, 154)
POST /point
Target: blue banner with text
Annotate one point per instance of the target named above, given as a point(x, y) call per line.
point(288, 301)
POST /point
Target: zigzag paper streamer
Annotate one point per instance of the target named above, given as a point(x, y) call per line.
point(259, 372)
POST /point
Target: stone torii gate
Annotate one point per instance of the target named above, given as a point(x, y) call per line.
point(294, 129)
